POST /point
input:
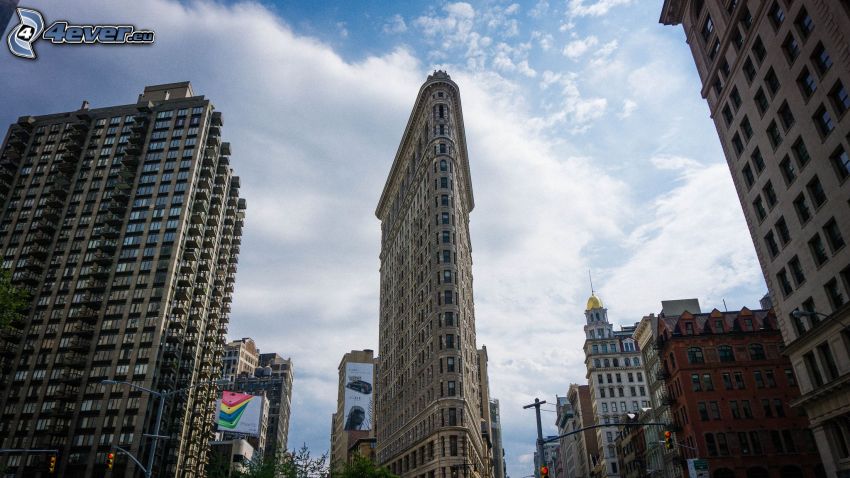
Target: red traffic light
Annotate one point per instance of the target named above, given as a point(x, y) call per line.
point(51, 464)
point(544, 471)
point(667, 434)
point(110, 459)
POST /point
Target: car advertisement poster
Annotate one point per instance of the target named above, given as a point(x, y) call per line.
point(240, 413)
point(358, 396)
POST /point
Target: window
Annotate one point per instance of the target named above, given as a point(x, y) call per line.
point(759, 50)
point(791, 48)
point(834, 293)
point(786, 116)
point(801, 153)
point(823, 121)
point(737, 144)
point(833, 235)
point(787, 170)
point(749, 70)
point(746, 128)
point(827, 359)
point(759, 378)
point(756, 352)
point(715, 49)
point(703, 411)
point(808, 84)
point(841, 163)
point(776, 15)
point(769, 195)
point(707, 28)
point(796, 271)
point(733, 407)
point(772, 82)
point(725, 353)
point(804, 23)
point(784, 283)
point(758, 207)
point(735, 97)
point(727, 115)
point(695, 383)
point(761, 101)
point(839, 98)
point(770, 243)
point(774, 135)
point(802, 208)
point(782, 231)
point(727, 381)
point(814, 371)
point(695, 355)
point(707, 383)
point(821, 59)
point(747, 173)
point(790, 378)
point(816, 192)
point(745, 406)
point(818, 250)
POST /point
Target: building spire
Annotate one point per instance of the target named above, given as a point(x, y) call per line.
point(592, 292)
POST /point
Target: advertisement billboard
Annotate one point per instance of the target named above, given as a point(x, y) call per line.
point(358, 396)
point(240, 413)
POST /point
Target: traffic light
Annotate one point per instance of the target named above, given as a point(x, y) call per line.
point(110, 459)
point(668, 440)
point(51, 464)
point(544, 471)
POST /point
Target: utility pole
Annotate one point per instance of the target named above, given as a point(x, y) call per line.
point(539, 462)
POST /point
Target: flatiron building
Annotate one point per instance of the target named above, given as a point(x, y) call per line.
point(428, 410)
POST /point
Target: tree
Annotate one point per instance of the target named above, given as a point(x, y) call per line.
point(294, 464)
point(362, 467)
point(13, 301)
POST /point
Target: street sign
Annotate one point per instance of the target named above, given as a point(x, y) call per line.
point(698, 468)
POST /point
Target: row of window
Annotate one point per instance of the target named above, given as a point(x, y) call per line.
point(762, 378)
point(725, 353)
point(747, 443)
point(627, 362)
point(621, 392)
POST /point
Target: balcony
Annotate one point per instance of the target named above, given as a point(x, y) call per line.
point(8, 349)
point(668, 400)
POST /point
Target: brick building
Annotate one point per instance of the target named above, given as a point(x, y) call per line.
point(729, 389)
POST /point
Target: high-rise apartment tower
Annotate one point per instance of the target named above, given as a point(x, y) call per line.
point(124, 223)
point(428, 412)
point(776, 75)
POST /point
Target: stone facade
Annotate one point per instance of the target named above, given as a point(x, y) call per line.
point(776, 75)
point(427, 404)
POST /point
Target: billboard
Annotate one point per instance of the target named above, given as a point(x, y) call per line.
point(358, 396)
point(240, 413)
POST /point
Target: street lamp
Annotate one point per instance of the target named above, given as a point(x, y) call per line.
point(155, 436)
point(797, 314)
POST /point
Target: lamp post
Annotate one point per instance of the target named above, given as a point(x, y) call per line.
point(155, 436)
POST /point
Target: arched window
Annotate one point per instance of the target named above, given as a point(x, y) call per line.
point(596, 363)
point(607, 363)
point(725, 353)
point(756, 352)
point(444, 166)
point(616, 362)
point(627, 362)
point(695, 355)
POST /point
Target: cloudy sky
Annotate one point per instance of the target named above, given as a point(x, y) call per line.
point(589, 144)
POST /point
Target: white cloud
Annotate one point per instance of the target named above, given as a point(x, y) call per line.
point(343, 31)
point(451, 29)
point(576, 48)
point(540, 9)
point(629, 107)
point(546, 40)
point(579, 8)
point(395, 24)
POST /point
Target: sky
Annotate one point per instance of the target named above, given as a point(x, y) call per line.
point(590, 149)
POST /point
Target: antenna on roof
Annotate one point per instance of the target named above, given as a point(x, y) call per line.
point(725, 309)
point(591, 282)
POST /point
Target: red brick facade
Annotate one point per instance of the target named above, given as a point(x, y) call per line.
point(729, 387)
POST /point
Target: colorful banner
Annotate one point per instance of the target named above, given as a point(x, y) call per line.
point(240, 413)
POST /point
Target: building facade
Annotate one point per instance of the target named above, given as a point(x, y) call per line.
point(499, 466)
point(616, 378)
point(272, 379)
point(344, 437)
point(776, 74)
point(124, 224)
point(241, 357)
point(579, 451)
point(730, 391)
point(427, 404)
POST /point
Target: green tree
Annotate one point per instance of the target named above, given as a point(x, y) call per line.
point(294, 464)
point(362, 467)
point(13, 301)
